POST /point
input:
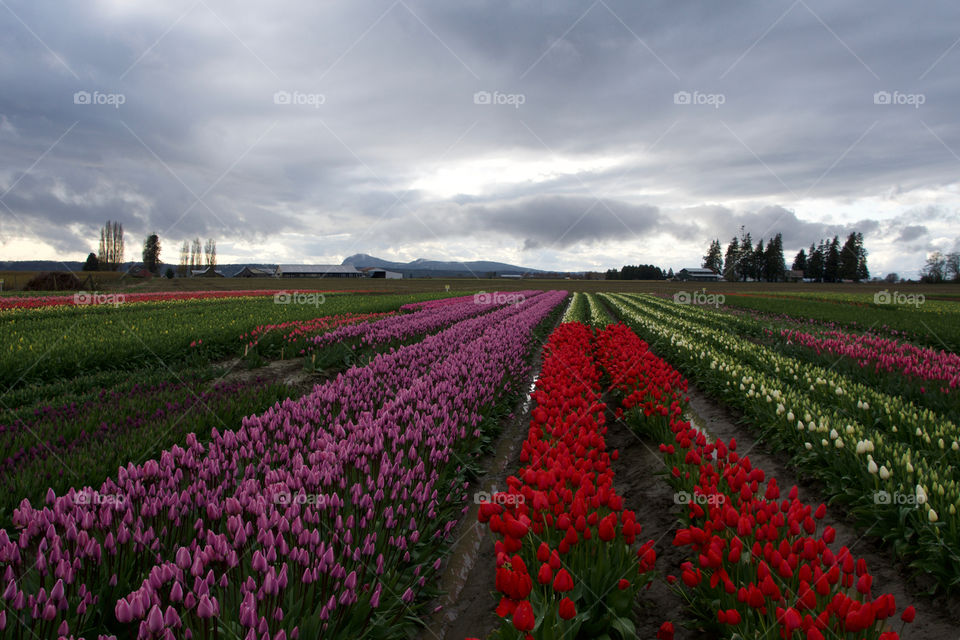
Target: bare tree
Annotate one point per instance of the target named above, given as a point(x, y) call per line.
point(184, 259)
point(210, 253)
point(196, 254)
point(111, 246)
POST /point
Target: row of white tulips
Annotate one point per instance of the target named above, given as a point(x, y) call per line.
point(849, 433)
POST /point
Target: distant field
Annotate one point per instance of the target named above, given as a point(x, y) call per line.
point(14, 281)
point(418, 285)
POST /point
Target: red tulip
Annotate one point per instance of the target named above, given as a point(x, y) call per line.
point(665, 632)
point(567, 609)
point(523, 618)
point(563, 582)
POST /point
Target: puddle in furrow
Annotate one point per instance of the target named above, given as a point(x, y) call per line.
point(464, 551)
point(696, 420)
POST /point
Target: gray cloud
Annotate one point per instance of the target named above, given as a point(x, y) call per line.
point(911, 232)
point(798, 130)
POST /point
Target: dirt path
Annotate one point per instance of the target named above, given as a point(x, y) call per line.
point(468, 576)
point(638, 477)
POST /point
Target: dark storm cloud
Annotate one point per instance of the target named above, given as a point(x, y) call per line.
point(199, 146)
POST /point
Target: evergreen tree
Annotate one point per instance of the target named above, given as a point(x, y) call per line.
point(775, 265)
point(714, 258)
point(92, 264)
point(800, 262)
point(831, 261)
point(849, 258)
point(745, 257)
point(730, 272)
point(756, 264)
point(815, 263)
point(863, 273)
point(151, 253)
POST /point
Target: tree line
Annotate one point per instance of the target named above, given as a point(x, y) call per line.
point(825, 262)
point(638, 272)
point(193, 255)
point(941, 267)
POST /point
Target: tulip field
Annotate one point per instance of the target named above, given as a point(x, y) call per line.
point(263, 465)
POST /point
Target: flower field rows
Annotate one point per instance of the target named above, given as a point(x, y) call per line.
point(50, 343)
point(934, 323)
point(759, 563)
point(881, 354)
point(421, 319)
point(565, 563)
point(347, 492)
point(84, 442)
point(893, 462)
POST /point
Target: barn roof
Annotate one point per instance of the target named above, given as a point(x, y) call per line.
point(317, 268)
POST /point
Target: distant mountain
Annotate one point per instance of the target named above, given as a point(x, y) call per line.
point(437, 268)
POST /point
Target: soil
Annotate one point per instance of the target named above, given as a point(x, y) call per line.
point(466, 609)
point(291, 373)
point(638, 477)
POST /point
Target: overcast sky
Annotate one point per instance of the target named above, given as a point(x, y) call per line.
point(552, 134)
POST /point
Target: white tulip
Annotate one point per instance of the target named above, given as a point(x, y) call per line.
point(884, 474)
point(932, 516)
point(872, 466)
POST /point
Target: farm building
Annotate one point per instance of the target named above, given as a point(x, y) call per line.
point(253, 272)
point(794, 275)
point(698, 274)
point(209, 272)
point(377, 272)
point(318, 271)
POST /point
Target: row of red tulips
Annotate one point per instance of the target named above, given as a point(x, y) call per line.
point(566, 564)
point(760, 562)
